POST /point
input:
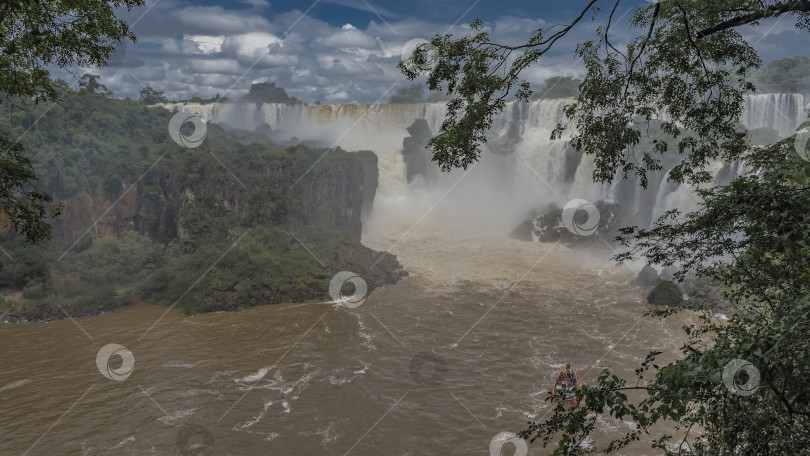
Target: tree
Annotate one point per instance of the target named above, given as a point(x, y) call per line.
point(150, 96)
point(560, 87)
point(409, 94)
point(788, 74)
point(267, 92)
point(35, 34)
point(691, 62)
point(90, 83)
point(22, 206)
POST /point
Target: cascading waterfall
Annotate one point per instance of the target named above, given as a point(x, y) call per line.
point(782, 112)
point(520, 168)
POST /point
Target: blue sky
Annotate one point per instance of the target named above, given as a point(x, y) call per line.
point(342, 51)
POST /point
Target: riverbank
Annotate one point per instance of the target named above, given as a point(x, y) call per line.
point(268, 266)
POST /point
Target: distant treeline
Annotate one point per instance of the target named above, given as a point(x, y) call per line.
point(260, 92)
point(556, 87)
point(791, 74)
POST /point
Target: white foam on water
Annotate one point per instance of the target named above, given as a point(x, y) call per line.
point(177, 415)
point(182, 365)
point(122, 443)
point(253, 377)
point(14, 385)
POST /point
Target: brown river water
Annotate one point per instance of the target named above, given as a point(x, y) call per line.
point(438, 364)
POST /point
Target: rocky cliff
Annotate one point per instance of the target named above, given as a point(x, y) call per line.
point(336, 196)
point(145, 217)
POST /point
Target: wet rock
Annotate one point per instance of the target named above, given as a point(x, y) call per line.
point(667, 273)
point(414, 152)
point(547, 225)
point(10, 318)
point(647, 277)
point(523, 232)
point(666, 293)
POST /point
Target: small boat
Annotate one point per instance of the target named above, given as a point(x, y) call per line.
point(566, 382)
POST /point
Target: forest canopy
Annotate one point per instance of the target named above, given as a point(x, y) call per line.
point(35, 35)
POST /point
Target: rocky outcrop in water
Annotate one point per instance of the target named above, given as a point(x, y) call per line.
point(666, 293)
point(701, 291)
point(647, 277)
point(414, 149)
point(587, 224)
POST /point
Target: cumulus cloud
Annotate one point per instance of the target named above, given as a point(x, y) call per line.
point(350, 38)
point(204, 50)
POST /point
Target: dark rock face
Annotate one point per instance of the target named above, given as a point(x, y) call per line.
point(572, 159)
point(666, 293)
point(414, 149)
point(647, 277)
point(371, 175)
point(335, 197)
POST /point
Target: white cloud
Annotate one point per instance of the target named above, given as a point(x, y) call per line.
point(216, 19)
point(338, 96)
point(207, 44)
point(349, 39)
point(221, 66)
point(248, 47)
point(204, 50)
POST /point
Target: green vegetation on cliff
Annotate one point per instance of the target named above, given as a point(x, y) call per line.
point(146, 218)
point(790, 74)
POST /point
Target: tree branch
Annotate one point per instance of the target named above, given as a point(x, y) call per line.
point(770, 11)
point(553, 38)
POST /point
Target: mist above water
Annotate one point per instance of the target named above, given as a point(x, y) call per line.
point(494, 195)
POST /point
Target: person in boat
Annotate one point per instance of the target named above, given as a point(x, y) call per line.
point(569, 377)
point(567, 383)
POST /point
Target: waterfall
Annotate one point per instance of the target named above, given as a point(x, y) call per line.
point(520, 168)
point(782, 112)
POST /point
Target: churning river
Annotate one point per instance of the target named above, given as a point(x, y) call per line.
point(440, 363)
